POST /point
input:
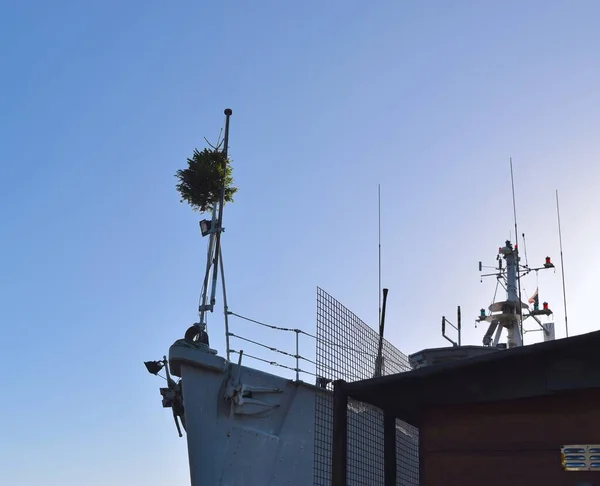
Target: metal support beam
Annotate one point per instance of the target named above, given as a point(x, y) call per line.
point(389, 448)
point(340, 434)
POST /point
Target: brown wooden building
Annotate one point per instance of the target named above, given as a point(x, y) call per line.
point(496, 419)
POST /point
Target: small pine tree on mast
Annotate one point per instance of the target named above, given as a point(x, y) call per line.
point(206, 185)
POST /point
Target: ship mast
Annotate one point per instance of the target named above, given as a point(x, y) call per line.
point(509, 314)
point(214, 261)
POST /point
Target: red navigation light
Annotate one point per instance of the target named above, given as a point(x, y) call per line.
point(548, 262)
point(545, 305)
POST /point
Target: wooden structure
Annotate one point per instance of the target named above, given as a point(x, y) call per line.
point(494, 419)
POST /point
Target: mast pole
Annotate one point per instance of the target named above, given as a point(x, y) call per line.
point(219, 228)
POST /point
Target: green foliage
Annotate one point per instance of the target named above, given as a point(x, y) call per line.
point(201, 183)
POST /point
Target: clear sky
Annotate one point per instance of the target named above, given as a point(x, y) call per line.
point(100, 104)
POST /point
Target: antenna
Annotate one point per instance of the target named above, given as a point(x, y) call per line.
point(379, 229)
point(562, 265)
point(504, 315)
point(512, 182)
point(379, 358)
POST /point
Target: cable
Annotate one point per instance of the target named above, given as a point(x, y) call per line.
point(300, 331)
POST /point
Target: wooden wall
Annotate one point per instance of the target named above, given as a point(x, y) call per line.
point(509, 443)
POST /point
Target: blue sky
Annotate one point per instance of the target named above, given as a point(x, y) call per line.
point(101, 103)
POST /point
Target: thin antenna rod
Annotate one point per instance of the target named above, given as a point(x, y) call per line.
point(379, 239)
point(512, 182)
point(562, 265)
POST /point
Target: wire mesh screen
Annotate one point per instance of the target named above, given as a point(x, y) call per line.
point(347, 349)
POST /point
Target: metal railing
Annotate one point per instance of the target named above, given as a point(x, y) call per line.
point(296, 354)
point(336, 344)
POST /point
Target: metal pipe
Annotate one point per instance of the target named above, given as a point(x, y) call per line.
point(458, 325)
point(379, 359)
point(225, 307)
point(444, 330)
point(239, 370)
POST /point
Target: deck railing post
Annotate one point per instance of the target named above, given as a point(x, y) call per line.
point(297, 355)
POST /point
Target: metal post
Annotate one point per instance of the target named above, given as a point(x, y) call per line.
point(340, 434)
point(459, 324)
point(297, 355)
point(225, 307)
point(389, 448)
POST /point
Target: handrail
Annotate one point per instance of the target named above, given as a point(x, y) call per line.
point(296, 353)
point(457, 327)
